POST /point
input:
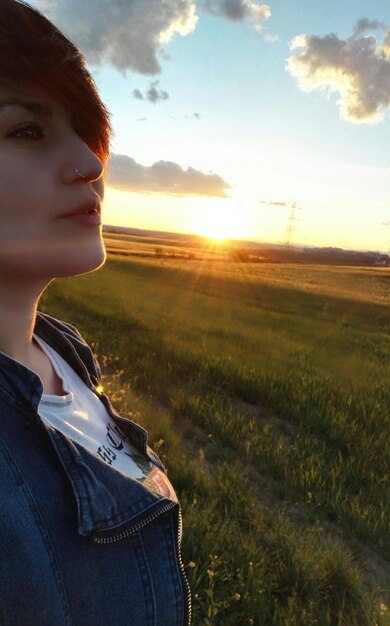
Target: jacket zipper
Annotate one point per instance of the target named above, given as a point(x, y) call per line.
point(135, 527)
point(187, 589)
point(144, 522)
point(149, 518)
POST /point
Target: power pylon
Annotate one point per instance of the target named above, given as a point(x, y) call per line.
point(388, 240)
point(291, 225)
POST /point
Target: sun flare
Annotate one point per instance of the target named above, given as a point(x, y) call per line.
point(219, 223)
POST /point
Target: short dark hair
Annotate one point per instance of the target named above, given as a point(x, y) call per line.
point(34, 53)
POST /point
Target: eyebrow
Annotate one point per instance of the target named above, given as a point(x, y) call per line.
point(37, 108)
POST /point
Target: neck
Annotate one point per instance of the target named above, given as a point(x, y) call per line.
point(18, 310)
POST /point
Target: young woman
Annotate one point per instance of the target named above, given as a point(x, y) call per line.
point(89, 524)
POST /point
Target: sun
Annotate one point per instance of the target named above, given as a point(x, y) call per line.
point(219, 223)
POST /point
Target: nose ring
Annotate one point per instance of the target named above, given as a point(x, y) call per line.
point(80, 174)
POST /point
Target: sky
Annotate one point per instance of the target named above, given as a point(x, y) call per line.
point(234, 118)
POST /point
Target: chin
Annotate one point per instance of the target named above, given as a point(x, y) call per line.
point(58, 262)
point(82, 261)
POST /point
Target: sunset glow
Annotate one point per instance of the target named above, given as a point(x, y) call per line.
point(219, 223)
point(238, 107)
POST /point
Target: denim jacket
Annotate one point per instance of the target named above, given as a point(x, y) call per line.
point(80, 543)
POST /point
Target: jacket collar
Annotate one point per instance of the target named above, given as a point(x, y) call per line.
point(23, 385)
point(19, 384)
point(106, 499)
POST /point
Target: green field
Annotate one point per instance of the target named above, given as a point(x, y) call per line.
point(265, 389)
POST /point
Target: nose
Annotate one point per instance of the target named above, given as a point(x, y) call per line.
point(90, 171)
point(89, 175)
point(83, 163)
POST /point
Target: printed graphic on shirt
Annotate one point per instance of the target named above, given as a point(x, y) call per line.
point(149, 474)
point(157, 481)
point(82, 416)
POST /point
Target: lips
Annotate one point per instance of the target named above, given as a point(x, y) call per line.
point(86, 214)
point(91, 207)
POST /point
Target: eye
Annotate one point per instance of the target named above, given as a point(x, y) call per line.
point(30, 131)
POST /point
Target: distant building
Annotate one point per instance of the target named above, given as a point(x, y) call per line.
point(382, 260)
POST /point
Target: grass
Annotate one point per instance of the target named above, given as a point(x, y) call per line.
point(266, 394)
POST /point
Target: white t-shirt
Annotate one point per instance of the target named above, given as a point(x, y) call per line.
point(82, 416)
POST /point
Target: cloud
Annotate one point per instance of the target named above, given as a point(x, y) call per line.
point(386, 44)
point(153, 94)
point(163, 177)
point(365, 24)
point(239, 10)
point(276, 203)
point(129, 34)
point(358, 68)
point(271, 38)
point(137, 94)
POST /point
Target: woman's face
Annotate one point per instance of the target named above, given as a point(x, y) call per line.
point(39, 154)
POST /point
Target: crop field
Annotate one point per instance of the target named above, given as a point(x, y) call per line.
point(265, 390)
